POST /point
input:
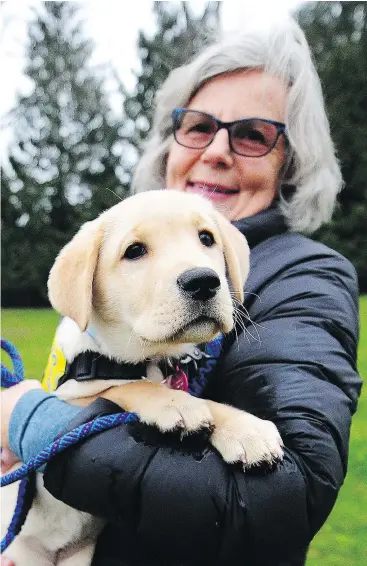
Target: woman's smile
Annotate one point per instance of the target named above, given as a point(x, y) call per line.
point(213, 191)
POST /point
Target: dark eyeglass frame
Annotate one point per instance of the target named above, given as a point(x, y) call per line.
point(280, 127)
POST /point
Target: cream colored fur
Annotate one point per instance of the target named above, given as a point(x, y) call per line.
point(136, 311)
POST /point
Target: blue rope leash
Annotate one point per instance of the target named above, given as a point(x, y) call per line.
point(7, 377)
point(24, 473)
point(7, 380)
point(69, 439)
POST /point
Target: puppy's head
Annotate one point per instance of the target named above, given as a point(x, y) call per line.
point(161, 268)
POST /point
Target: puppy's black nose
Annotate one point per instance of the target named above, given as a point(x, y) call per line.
point(200, 283)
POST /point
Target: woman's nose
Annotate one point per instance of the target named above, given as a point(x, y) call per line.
point(219, 151)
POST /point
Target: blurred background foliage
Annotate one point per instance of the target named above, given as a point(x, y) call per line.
point(73, 156)
point(337, 33)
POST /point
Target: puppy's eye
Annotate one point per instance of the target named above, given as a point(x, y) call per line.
point(206, 238)
point(135, 251)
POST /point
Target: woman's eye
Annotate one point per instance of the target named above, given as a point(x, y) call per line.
point(206, 238)
point(249, 134)
point(201, 127)
point(256, 135)
point(135, 251)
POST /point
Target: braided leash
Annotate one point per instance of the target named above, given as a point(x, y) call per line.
point(26, 487)
point(26, 472)
point(7, 377)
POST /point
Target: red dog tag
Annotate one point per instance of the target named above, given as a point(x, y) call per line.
point(177, 380)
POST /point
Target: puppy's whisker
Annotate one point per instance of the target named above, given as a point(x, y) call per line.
point(239, 316)
point(250, 293)
point(244, 333)
point(204, 189)
point(142, 348)
point(236, 333)
point(240, 323)
point(255, 324)
point(232, 293)
point(113, 192)
point(237, 301)
point(128, 342)
point(243, 315)
point(246, 314)
point(142, 345)
point(254, 294)
point(219, 206)
point(247, 332)
point(246, 329)
point(223, 208)
point(257, 339)
point(97, 358)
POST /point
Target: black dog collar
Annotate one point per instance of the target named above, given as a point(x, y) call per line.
point(92, 365)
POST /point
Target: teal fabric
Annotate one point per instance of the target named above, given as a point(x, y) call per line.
point(36, 421)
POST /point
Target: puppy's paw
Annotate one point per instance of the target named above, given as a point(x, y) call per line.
point(241, 437)
point(176, 410)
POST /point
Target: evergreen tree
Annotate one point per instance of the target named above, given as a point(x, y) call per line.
point(179, 36)
point(337, 33)
point(67, 147)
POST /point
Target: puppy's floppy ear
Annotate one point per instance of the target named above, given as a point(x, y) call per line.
point(236, 253)
point(70, 283)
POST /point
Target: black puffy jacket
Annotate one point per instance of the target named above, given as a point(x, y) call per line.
point(171, 503)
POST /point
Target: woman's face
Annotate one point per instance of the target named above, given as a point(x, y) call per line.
point(252, 182)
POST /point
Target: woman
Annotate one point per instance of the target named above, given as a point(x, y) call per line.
point(249, 131)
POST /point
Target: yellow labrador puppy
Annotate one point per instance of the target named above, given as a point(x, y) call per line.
point(146, 280)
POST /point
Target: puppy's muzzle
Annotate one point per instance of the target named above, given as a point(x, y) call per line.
point(200, 284)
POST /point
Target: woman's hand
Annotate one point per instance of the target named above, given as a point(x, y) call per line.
point(8, 460)
point(5, 561)
point(9, 398)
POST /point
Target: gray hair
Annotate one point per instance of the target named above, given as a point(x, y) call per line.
point(281, 51)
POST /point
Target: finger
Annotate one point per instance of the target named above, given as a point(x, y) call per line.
point(8, 459)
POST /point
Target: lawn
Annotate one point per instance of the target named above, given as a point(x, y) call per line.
point(31, 331)
point(342, 539)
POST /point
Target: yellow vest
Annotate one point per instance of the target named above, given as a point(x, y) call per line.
point(55, 368)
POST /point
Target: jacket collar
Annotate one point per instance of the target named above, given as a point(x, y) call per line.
point(261, 226)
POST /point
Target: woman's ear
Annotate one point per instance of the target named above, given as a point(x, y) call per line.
point(236, 254)
point(70, 284)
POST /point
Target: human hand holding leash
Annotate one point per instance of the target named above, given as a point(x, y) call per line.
point(6, 562)
point(9, 398)
point(8, 460)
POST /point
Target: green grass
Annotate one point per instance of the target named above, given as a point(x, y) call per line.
point(341, 541)
point(31, 331)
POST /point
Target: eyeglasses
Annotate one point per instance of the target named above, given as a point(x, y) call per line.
point(250, 137)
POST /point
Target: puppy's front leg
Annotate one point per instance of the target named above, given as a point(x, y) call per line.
point(242, 437)
point(158, 405)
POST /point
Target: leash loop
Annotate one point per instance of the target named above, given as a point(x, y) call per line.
point(9, 378)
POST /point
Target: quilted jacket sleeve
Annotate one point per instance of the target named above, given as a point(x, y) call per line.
point(178, 502)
